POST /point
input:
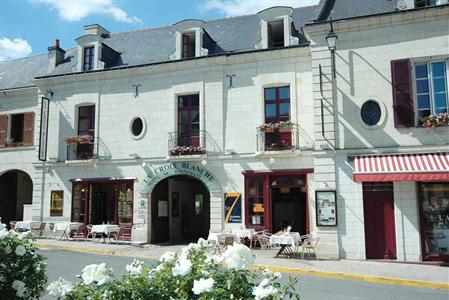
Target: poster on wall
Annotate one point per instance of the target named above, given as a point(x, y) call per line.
point(233, 208)
point(326, 208)
point(56, 203)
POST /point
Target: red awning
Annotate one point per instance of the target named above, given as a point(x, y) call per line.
point(402, 167)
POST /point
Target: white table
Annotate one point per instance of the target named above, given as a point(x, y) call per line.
point(287, 240)
point(27, 225)
point(105, 230)
point(66, 227)
point(244, 233)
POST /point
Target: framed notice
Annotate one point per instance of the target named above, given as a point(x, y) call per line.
point(162, 208)
point(326, 208)
point(233, 208)
point(43, 136)
point(56, 203)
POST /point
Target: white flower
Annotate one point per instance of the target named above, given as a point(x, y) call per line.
point(214, 259)
point(3, 233)
point(182, 267)
point(135, 268)
point(202, 286)
point(270, 274)
point(167, 256)
point(60, 288)
point(2, 278)
point(8, 249)
point(96, 273)
point(19, 286)
point(238, 257)
point(20, 250)
point(203, 243)
point(262, 292)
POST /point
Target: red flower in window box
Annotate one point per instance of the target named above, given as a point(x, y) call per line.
point(187, 150)
point(280, 126)
point(78, 139)
point(433, 121)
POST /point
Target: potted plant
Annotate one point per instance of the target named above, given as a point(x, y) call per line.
point(78, 139)
point(279, 126)
point(433, 121)
point(187, 150)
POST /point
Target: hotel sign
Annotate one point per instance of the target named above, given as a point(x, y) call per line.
point(43, 137)
point(182, 168)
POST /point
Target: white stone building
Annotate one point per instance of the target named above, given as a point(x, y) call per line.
point(175, 131)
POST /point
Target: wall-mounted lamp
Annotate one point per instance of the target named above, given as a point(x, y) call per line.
point(331, 39)
point(136, 89)
point(49, 93)
point(135, 155)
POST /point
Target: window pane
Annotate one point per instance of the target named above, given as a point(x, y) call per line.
point(285, 109)
point(284, 92)
point(424, 101)
point(440, 110)
point(424, 113)
point(421, 71)
point(422, 86)
point(195, 116)
point(195, 100)
point(270, 110)
point(183, 101)
point(440, 100)
point(439, 85)
point(270, 94)
point(438, 69)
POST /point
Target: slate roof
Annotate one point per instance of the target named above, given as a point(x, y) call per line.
point(231, 35)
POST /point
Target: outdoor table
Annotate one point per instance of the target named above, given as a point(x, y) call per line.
point(26, 225)
point(105, 230)
point(219, 237)
point(287, 240)
point(66, 227)
point(244, 233)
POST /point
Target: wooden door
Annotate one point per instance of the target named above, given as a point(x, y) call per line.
point(159, 207)
point(380, 236)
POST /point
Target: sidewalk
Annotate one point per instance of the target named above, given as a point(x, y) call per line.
point(426, 276)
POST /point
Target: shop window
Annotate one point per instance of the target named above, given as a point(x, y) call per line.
point(17, 130)
point(255, 206)
point(125, 203)
point(431, 88)
point(56, 203)
point(79, 196)
point(276, 34)
point(188, 45)
point(434, 198)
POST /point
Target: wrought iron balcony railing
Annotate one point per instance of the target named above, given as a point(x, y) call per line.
point(83, 150)
point(280, 139)
point(192, 144)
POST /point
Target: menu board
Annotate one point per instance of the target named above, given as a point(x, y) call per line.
point(326, 208)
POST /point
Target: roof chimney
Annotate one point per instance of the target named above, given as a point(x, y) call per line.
point(56, 55)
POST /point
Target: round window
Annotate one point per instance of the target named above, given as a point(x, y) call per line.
point(137, 127)
point(371, 112)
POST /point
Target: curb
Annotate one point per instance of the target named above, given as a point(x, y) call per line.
point(365, 278)
point(293, 271)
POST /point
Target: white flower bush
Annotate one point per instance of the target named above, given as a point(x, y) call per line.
point(193, 274)
point(22, 270)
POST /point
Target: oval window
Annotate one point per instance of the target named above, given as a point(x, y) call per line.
point(371, 113)
point(137, 126)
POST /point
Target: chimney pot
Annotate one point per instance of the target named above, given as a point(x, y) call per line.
point(57, 43)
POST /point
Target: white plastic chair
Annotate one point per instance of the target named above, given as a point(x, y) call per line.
point(309, 246)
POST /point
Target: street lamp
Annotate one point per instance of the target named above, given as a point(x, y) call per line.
point(331, 39)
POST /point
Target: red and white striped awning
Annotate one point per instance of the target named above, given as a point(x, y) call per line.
point(402, 167)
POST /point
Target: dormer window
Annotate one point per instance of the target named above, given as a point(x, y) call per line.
point(276, 34)
point(425, 3)
point(88, 58)
point(188, 45)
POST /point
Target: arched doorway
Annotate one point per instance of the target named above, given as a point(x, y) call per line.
point(180, 208)
point(16, 190)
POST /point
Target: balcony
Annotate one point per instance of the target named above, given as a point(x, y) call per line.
point(187, 147)
point(283, 139)
point(82, 150)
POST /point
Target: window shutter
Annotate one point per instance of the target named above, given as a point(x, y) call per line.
point(28, 129)
point(401, 79)
point(3, 127)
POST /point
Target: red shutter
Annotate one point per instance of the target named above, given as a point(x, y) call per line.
point(28, 129)
point(401, 79)
point(3, 126)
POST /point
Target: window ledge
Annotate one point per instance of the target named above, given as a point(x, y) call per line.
point(82, 162)
point(17, 148)
point(195, 157)
point(280, 153)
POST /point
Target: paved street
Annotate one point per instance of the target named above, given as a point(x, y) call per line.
point(68, 264)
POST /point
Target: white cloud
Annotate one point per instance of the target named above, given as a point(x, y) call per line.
point(245, 7)
point(12, 49)
point(75, 10)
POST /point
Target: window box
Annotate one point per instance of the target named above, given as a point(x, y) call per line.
point(78, 139)
point(283, 126)
point(433, 121)
point(187, 150)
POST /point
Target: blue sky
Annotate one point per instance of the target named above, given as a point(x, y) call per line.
point(28, 27)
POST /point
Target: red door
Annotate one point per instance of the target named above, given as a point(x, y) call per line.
point(380, 236)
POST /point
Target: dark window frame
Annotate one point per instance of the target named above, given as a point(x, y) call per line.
point(88, 58)
point(277, 101)
point(189, 138)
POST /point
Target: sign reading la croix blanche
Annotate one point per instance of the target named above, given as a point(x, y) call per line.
point(182, 168)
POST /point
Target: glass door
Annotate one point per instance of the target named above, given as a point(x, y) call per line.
point(80, 196)
point(86, 126)
point(189, 120)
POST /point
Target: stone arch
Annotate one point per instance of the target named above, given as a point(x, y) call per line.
point(17, 190)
